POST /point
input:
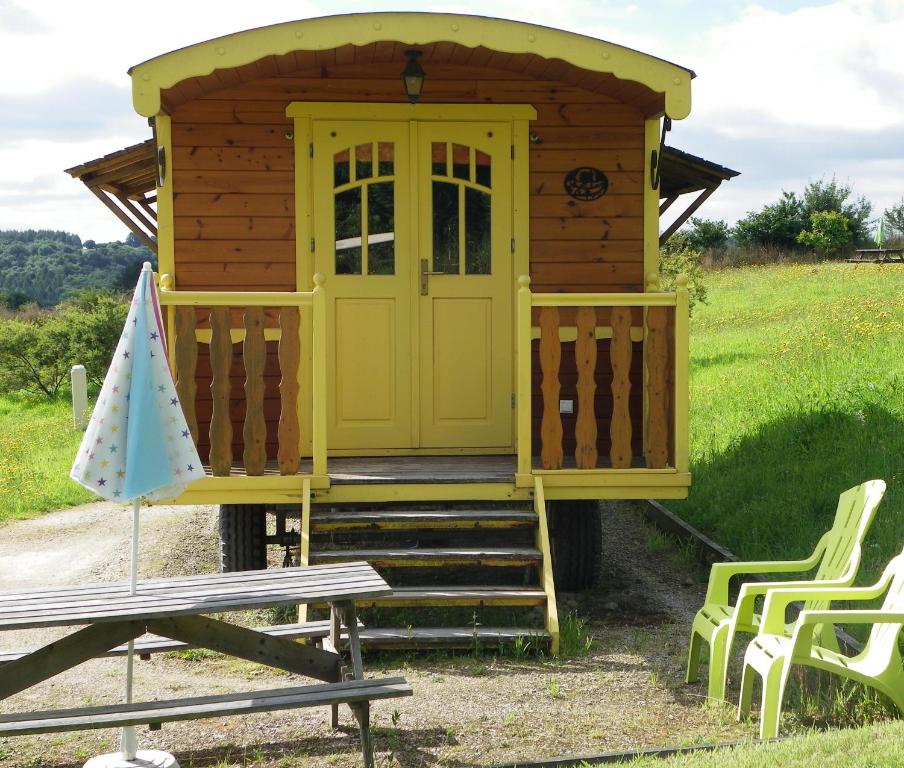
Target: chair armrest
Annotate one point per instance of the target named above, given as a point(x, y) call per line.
point(721, 573)
point(750, 591)
point(778, 600)
point(851, 617)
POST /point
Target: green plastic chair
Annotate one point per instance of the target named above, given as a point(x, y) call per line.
point(772, 652)
point(836, 559)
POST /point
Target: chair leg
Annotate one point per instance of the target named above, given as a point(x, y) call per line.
point(747, 678)
point(773, 693)
point(362, 715)
point(694, 652)
point(719, 649)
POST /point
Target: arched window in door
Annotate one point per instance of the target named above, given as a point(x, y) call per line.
point(461, 188)
point(364, 195)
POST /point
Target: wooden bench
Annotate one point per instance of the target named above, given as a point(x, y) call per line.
point(175, 613)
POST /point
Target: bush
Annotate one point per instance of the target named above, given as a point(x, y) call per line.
point(38, 347)
point(679, 257)
point(828, 232)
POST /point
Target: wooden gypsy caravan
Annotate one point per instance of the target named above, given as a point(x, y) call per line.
point(409, 264)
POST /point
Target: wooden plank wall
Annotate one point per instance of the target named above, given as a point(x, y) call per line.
point(233, 172)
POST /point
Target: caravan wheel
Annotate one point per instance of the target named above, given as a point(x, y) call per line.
point(243, 530)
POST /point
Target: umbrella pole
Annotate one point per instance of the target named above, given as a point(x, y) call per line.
point(129, 741)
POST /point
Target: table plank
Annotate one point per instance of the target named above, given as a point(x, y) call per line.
point(182, 596)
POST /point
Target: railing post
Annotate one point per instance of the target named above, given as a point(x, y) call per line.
point(682, 331)
point(523, 376)
point(318, 385)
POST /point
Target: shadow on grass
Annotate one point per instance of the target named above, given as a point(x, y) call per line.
point(774, 493)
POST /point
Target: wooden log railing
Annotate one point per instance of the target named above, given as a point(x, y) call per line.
point(655, 319)
point(251, 317)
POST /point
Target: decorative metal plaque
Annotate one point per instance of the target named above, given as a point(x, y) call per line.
point(586, 183)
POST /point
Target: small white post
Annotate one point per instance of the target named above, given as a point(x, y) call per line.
point(79, 397)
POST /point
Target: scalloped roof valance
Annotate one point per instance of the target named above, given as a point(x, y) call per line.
point(152, 77)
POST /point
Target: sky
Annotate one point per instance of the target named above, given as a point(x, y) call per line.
point(787, 91)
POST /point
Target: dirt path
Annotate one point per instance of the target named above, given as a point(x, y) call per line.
point(467, 710)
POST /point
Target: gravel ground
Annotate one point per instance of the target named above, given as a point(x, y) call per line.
point(626, 693)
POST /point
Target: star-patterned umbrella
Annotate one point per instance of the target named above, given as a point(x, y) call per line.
point(137, 444)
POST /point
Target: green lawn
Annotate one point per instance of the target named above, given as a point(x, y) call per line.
point(875, 746)
point(797, 392)
point(37, 447)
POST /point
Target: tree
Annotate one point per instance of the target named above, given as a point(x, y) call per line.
point(708, 234)
point(828, 232)
point(775, 225)
point(824, 195)
point(894, 218)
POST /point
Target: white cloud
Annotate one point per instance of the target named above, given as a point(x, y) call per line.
point(831, 66)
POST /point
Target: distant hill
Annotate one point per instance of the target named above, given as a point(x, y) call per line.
point(47, 266)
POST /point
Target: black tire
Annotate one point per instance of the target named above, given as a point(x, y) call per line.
point(243, 546)
point(576, 542)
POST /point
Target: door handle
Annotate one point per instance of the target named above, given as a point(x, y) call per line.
point(425, 273)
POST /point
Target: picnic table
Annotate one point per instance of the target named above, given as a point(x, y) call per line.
point(878, 255)
point(170, 614)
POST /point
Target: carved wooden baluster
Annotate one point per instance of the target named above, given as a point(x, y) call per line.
point(289, 356)
point(254, 352)
point(585, 453)
point(620, 452)
point(551, 453)
point(657, 450)
point(185, 349)
point(220, 365)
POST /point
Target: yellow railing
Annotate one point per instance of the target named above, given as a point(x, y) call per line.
point(657, 319)
point(285, 307)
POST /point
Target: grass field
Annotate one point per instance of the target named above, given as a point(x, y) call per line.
point(874, 746)
point(37, 446)
point(797, 393)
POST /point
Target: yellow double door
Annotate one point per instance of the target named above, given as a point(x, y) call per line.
point(413, 229)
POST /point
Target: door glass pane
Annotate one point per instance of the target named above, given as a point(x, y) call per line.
point(381, 228)
point(364, 161)
point(477, 232)
point(482, 169)
point(445, 227)
point(348, 232)
point(387, 159)
point(438, 155)
point(461, 162)
point(340, 169)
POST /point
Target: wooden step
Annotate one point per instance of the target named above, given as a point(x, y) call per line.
point(411, 597)
point(449, 637)
point(389, 558)
point(411, 519)
point(154, 712)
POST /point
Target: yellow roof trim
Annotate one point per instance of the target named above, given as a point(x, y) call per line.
point(155, 75)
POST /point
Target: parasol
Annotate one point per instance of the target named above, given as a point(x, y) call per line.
point(137, 445)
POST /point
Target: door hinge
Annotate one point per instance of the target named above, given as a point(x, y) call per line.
point(311, 149)
point(514, 399)
point(312, 245)
point(513, 245)
point(513, 151)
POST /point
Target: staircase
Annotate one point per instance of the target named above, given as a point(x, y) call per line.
point(464, 574)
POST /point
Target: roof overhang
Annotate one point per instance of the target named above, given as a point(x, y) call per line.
point(684, 173)
point(126, 182)
point(151, 78)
